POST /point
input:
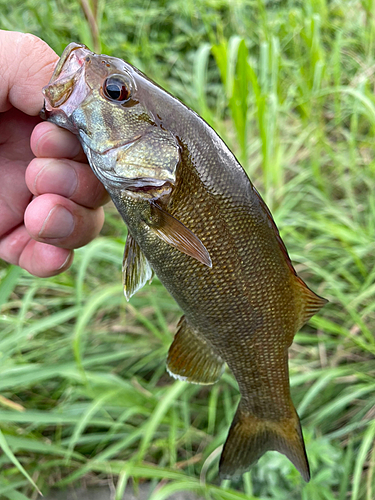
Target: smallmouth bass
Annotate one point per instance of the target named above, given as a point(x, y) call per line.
point(195, 219)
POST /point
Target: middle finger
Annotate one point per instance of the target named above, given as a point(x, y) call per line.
point(67, 178)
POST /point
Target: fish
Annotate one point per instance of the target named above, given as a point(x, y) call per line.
point(195, 220)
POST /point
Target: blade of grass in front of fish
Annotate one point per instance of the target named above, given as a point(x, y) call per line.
point(149, 428)
point(107, 296)
point(348, 462)
point(122, 482)
point(247, 483)
point(91, 15)
point(172, 437)
point(314, 391)
point(8, 452)
point(165, 491)
point(231, 59)
point(11, 343)
point(101, 461)
point(212, 408)
point(161, 319)
point(239, 99)
point(366, 444)
point(370, 482)
point(8, 283)
point(340, 402)
point(15, 495)
point(369, 8)
point(337, 75)
point(200, 81)
point(85, 419)
point(264, 85)
point(101, 249)
point(4, 489)
point(146, 471)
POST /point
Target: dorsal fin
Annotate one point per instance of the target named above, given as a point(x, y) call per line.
point(276, 231)
point(312, 302)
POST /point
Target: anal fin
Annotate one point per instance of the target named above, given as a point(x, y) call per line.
point(136, 270)
point(192, 358)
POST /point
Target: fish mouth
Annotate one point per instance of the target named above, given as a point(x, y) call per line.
point(66, 82)
point(69, 49)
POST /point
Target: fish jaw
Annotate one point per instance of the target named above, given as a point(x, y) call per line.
point(66, 89)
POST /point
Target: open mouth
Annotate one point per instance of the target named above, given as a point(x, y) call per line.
point(72, 47)
point(66, 77)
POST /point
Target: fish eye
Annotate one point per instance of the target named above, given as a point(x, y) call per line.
point(115, 88)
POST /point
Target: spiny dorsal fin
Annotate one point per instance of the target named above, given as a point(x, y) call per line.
point(192, 358)
point(177, 235)
point(136, 270)
point(312, 303)
point(276, 231)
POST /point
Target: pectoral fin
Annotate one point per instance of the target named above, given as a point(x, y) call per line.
point(135, 268)
point(191, 357)
point(177, 235)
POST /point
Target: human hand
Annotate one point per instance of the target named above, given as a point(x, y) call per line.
point(52, 205)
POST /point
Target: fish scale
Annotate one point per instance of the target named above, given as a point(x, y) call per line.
point(194, 219)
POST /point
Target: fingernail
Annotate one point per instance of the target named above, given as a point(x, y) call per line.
point(59, 223)
point(67, 261)
point(56, 177)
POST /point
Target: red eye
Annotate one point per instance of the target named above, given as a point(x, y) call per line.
point(115, 88)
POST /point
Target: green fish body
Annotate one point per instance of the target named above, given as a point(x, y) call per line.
point(197, 222)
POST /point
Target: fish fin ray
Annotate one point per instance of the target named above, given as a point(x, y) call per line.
point(272, 224)
point(312, 302)
point(191, 357)
point(136, 270)
point(173, 232)
point(250, 437)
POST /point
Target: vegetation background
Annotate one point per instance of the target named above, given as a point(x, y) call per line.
point(289, 85)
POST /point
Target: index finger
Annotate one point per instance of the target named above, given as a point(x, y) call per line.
point(27, 64)
point(50, 141)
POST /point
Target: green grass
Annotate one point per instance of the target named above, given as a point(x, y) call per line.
point(84, 393)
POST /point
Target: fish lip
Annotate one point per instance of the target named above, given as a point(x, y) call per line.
point(69, 49)
point(63, 78)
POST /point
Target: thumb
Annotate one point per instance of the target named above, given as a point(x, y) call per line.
point(26, 65)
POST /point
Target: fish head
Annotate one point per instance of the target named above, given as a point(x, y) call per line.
point(108, 104)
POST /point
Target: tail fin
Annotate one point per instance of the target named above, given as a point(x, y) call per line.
point(250, 437)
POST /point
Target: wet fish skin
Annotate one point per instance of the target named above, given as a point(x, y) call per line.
point(195, 219)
